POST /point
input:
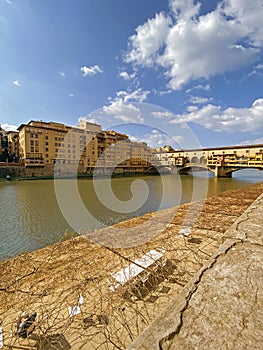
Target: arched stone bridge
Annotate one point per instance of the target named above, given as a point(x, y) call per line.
point(222, 161)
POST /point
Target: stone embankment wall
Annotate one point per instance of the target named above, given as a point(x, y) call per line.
point(22, 171)
point(48, 171)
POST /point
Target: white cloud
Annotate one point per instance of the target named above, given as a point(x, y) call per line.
point(190, 46)
point(62, 74)
point(126, 76)
point(229, 119)
point(8, 127)
point(197, 100)
point(92, 70)
point(123, 111)
point(251, 74)
point(17, 83)
point(122, 108)
point(89, 120)
point(199, 87)
point(138, 95)
point(157, 138)
point(71, 95)
point(162, 92)
point(257, 71)
point(9, 2)
point(192, 108)
point(258, 141)
point(184, 9)
point(147, 41)
point(164, 115)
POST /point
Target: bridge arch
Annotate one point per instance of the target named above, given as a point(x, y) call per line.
point(187, 160)
point(203, 160)
point(186, 169)
point(195, 160)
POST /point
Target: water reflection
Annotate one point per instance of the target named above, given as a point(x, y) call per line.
point(31, 218)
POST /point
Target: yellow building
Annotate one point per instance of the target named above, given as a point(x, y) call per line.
point(3, 145)
point(112, 146)
point(46, 143)
point(42, 143)
point(140, 154)
point(13, 145)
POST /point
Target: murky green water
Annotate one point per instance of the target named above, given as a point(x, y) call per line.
point(31, 218)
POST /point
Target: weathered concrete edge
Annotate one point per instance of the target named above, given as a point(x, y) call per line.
point(170, 321)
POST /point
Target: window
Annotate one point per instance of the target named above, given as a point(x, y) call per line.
point(36, 143)
point(46, 143)
point(36, 136)
point(47, 155)
point(46, 149)
point(32, 142)
point(46, 137)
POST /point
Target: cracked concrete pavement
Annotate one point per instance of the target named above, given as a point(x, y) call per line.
point(221, 307)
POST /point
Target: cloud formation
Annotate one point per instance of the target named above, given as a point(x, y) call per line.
point(230, 119)
point(62, 74)
point(89, 120)
point(17, 83)
point(125, 112)
point(122, 108)
point(198, 100)
point(126, 76)
point(190, 45)
point(157, 138)
point(8, 127)
point(92, 70)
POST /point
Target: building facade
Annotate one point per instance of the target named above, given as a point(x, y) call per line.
point(3, 145)
point(49, 143)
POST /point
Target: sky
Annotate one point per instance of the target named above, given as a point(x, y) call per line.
point(179, 72)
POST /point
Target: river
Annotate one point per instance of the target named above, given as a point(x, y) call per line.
point(31, 217)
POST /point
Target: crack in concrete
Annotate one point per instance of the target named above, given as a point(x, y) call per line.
point(172, 334)
point(229, 245)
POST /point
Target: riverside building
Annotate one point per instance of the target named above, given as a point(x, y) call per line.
point(87, 146)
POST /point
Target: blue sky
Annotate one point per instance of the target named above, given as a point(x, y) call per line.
point(181, 72)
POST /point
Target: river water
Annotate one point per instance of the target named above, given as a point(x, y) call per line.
point(31, 217)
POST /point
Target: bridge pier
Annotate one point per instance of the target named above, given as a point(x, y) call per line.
point(221, 171)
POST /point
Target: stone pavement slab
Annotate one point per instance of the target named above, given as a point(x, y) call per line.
point(221, 307)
